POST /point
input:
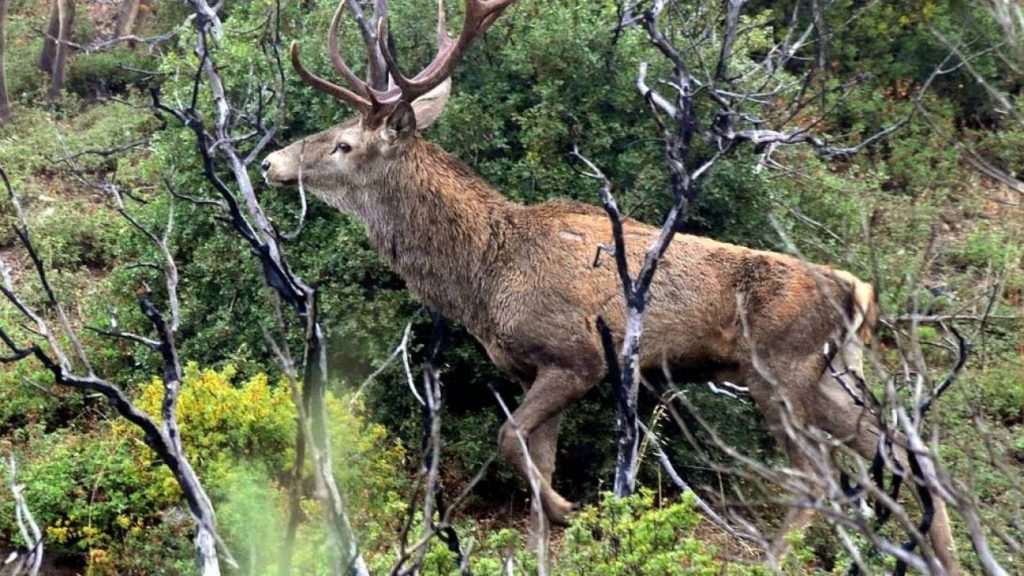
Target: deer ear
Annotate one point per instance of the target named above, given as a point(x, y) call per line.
point(402, 122)
point(429, 106)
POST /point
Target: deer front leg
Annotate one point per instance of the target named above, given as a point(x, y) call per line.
point(837, 413)
point(535, 422)
point(778, 404)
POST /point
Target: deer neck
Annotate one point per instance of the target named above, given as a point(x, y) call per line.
point(437, 225)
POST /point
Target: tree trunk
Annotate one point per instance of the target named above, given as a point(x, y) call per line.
point(55, 49)
point(66, 20)
point(130, 18)
point(5, 107)
point(145, 11)
point(126, 18)
point(49, 43)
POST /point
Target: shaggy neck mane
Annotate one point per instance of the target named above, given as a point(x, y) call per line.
point(439, 226)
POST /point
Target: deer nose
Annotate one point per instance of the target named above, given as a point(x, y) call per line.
point(265, 166)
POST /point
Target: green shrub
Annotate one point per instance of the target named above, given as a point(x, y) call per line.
point(240, 438)
point(221, 424)
point(25, 406)
point(1000, 392)
point(84, 489)
point(105, 500)
point(984, 248)
point(635, 536)
point(104, 73)
point(25, 82)
point(252, 514)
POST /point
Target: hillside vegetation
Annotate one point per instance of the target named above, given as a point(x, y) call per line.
point(912, 213)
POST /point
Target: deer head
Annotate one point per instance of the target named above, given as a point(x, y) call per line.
point(351, 158)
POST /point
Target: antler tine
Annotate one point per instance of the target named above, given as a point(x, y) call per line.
point(480, 14)
point(336, 59)
point(339, 92)
point(444, 39)
point(398, 79)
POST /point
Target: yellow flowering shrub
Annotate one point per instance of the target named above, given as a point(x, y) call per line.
point(221, 423)
point(240, 438)
point(105, 498)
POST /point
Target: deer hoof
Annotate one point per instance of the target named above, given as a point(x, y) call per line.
point(562, 515)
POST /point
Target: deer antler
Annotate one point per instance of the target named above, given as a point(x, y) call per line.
point(339, 92)
point(479, 17)
point(336, 59)
point(375, 104)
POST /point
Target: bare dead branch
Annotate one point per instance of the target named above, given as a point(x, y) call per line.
point(151, 42)
point(164, 439)
point(216, 145)
point(707, 510)
point(103, 152)
point(541, 544)
point(31, 558)
point(148, 342)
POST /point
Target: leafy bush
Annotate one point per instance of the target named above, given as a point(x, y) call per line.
point(240, 438)
point(635, 536)
point(104, 73)
point(26, 409)
point(103, 497)
point(1001, 392)
point(982, 248)
point(221, 424)
point(84, 489)
point(25, 83)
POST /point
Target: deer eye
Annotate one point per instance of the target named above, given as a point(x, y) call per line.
point(343, 147)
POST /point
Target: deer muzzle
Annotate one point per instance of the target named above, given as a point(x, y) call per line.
point(278, 171)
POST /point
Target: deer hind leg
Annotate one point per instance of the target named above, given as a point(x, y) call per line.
point(838, 413)
point(543, 445)
point(785, 401)
point(536, 422)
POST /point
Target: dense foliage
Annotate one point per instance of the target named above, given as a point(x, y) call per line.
point(910, 213)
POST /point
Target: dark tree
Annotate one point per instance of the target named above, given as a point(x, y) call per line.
point(130, 17)
point(56, 44)
point(5, 106)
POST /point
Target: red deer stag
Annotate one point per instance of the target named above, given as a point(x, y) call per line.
point(523, 281)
